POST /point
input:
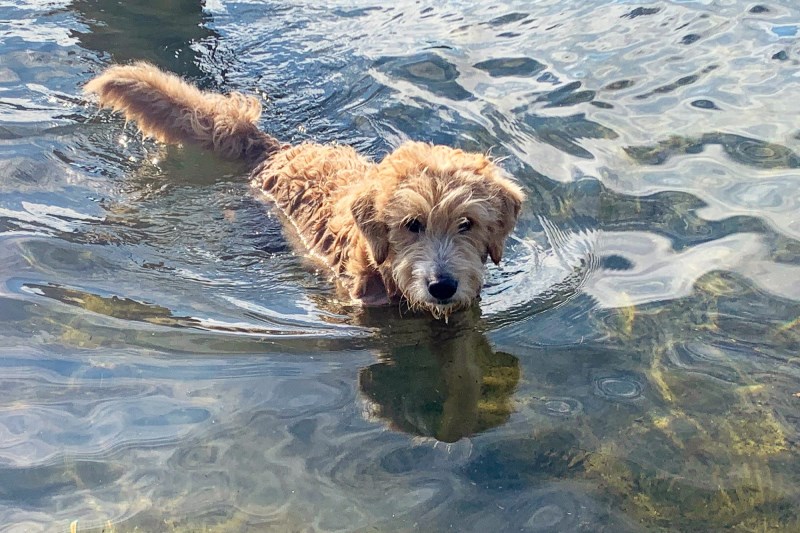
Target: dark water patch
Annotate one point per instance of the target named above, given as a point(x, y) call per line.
point(12, 310)
point(37, 484)
point(130, 32)
point(615, 262)
point(705, 104)
point(664, 150)
point(781, 56)
point(355, 13)
point(510, 66)
point(566, 96)
point(759, 9)
point(619, 85)
point(406, 459)
point(673, 214)
point(517, 463)
point(641, 12)
point(564, 133)
point(548, 77)
point(690, 39)
point(671, 87)
point(507, 19)
point(429, 71)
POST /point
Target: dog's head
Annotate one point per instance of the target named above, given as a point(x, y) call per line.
point(432, 217)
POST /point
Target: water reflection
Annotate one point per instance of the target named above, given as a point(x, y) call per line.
point(565, 133)
point(741, 149)
point(433, 380)
point(439, 380)
point(510, 66)
point(430, 71)
point(645, 268)
point(139, 30)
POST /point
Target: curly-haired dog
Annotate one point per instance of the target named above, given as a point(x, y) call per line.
point(417, 226)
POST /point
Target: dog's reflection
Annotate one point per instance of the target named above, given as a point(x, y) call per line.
point(438, 380)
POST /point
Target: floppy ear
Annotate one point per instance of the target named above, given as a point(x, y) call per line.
point(372, 227)
point(507, 198)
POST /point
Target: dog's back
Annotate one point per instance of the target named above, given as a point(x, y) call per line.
point(170, 110)
point(305, 181)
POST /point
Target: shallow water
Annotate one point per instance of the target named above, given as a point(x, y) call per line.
point(169, 363)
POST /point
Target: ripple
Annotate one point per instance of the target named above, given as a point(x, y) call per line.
point(404, 460)
point(551, 509)
point(559, 406)
point(534, 279)
point(754, 152)
point(409, 481)
point(743, 150)
point(709, 359)
point(36, 484)
point(620, 388)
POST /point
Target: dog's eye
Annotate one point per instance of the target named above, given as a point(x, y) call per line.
point(465, 225)
point(414, 226)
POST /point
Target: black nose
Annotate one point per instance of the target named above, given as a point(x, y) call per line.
point(443, 288)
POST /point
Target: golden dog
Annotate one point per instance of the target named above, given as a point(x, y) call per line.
point(418, 226)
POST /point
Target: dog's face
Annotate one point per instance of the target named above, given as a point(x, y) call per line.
point(433, 218)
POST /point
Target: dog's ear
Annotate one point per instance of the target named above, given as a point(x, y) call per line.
point(367, 218)
point(506, 198)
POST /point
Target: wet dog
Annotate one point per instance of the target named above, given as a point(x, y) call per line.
point(418, 226)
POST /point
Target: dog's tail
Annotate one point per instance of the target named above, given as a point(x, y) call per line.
point(173, 111)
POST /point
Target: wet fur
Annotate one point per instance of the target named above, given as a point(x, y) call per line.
point(352, 213)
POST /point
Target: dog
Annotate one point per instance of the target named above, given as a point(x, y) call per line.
point(417, 227)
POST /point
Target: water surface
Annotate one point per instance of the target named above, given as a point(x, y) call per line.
point(170, 362)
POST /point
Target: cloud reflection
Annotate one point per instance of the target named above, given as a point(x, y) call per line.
point(655, 272)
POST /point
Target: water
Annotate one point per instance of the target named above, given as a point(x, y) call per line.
point(169, 362)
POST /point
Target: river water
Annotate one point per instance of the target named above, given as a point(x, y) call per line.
point(170, 363)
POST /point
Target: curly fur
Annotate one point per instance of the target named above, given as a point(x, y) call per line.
point(424, 215)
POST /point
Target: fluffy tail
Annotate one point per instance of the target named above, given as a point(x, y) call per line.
point(172, 111)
